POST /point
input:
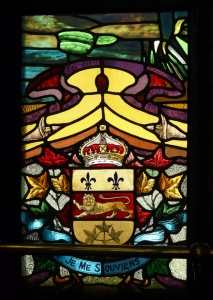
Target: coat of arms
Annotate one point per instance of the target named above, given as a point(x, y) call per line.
point(103, 201)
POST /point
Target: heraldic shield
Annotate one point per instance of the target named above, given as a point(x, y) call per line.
point(103, 194)
point(101, 216)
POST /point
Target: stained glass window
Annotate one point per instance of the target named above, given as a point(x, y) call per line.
point(104, 145)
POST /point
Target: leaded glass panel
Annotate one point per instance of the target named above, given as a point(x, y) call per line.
point(104, 144)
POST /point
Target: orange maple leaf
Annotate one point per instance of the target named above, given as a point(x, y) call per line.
point(39, 186)
point(169, 186)
point(61, 184)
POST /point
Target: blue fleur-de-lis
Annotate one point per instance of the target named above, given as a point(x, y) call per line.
point(88, 181)
point(115, 181)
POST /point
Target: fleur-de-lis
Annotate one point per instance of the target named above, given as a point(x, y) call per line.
point(115, 181)
point(88, 181)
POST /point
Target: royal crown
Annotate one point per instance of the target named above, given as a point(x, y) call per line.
point(103, 150)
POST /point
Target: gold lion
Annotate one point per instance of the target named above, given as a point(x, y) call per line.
point(92, 207)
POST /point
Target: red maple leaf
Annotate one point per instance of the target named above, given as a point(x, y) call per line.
point(157, 161)
point(142, 217)
point(51, 159)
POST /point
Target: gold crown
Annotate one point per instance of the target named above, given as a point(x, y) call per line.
point(103, 150)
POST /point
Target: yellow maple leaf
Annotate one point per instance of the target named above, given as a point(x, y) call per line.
point(39, 186)
point(143, 184)
point(170, 186)
point(61, 184)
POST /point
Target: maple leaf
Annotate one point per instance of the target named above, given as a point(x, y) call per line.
point(159, 266)
point(61, 184)
point(39, 186)
point(51, 159)
point(115, 235)
point(104, 227)
point(169, 186)
point(143, 184)
point(91, 236)
point(165, 211)
point(157, 161)
point(44, 264)
point(142, 216)
point(41, 211)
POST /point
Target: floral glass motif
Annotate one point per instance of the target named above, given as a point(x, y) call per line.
point(104, 148)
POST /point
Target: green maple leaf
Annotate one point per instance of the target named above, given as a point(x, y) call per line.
point(159, 266)
point(43, 210)
point(115, 235)
point(103, 227)
point(46, 265)
point(165, 211)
